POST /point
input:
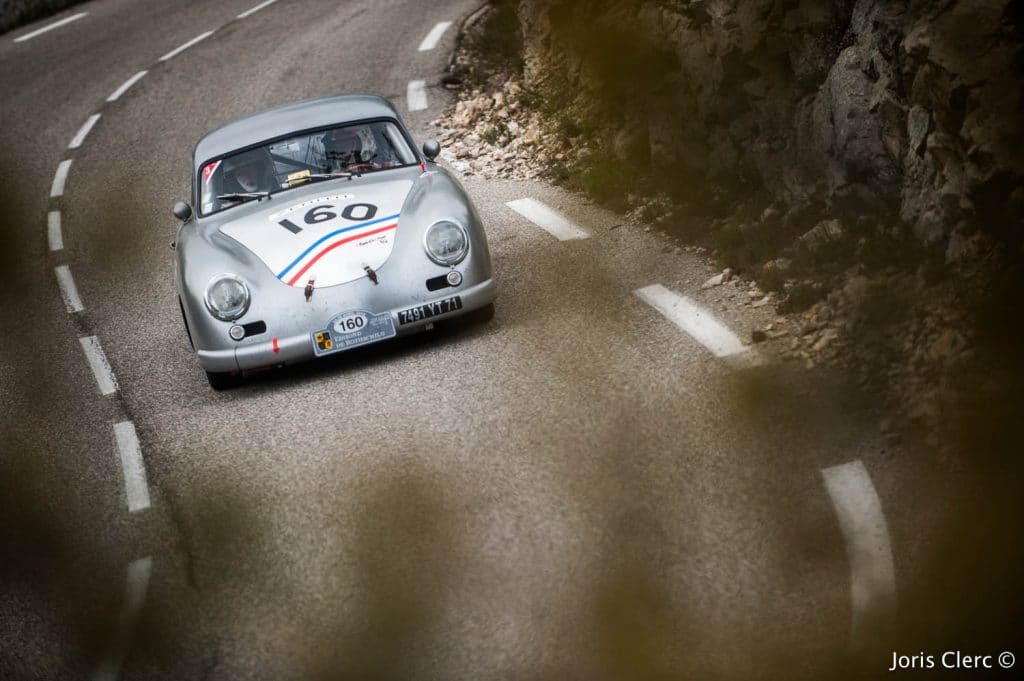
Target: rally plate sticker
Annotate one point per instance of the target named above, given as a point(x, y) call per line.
point(421, 312)
point(352, 329)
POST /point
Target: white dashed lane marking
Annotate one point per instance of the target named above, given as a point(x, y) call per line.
point(60, 179)
point(548, 219)
point(181, 48)
point(125, 85)
point(255, 9)
point(68, 290)
point(53, 233)
point(416, 95)
point(872, 577)
point(83, 131)
point(97, 360)
point(430, 42)
point(50, 27)
point(136, 587)
point(132, 466)
point(694, 320)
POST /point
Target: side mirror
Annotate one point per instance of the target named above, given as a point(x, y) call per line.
point(431, 149)
point(182, 211)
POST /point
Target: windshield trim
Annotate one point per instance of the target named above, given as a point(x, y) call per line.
point(197, 172)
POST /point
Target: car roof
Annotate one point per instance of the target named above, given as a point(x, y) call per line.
point(281, 120)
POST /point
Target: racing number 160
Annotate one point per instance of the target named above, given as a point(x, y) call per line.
point(354, 211)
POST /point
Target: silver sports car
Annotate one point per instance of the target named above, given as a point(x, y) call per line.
point(319, 228)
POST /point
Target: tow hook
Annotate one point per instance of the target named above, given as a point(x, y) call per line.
point(370, 273)
point(309, 289)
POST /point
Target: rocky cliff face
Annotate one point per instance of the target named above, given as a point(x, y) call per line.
point(875, 110)
point(14, 13)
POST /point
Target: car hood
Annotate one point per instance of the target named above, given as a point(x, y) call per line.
point(329, 233)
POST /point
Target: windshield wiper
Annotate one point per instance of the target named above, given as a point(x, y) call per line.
point(323, 176)
point(242, 196)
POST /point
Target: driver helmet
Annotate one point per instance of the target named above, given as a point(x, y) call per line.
point(345, 147)
point(245, 169)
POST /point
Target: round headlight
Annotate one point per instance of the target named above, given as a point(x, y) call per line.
point(446, 242)
point(227, 297)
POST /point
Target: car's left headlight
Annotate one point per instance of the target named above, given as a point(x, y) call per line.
point(227, 297)
point(446, 242)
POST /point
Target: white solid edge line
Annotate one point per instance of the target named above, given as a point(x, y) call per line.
point(97, 360)
point(547, 219)
point(416, 95)
point(872, 576)
point(136, 587)
point(53, 233)
point(694, 320)
point(181, 48)
point(125, 85)
point(60, 178)
point(430, 42)
point(83, 131)
point(68, 290)
point(257, 8)
point(132, 466)
point(50, 27)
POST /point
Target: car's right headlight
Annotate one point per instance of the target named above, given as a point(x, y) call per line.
point(446, 242)
point(227, 297)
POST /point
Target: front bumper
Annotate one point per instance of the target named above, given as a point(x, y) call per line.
point(299, 347)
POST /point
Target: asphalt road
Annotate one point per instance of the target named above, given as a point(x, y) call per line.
point(577, 489)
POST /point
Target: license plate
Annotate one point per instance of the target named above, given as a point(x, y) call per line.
point(352, 329)
point(421, 312)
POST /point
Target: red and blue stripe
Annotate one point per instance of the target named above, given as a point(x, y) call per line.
point(329, 242)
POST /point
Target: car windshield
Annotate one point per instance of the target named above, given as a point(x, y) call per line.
point(329, 153)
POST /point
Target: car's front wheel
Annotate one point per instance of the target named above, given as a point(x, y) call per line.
point(184, 319)
point(224, 380)
point(480, 315)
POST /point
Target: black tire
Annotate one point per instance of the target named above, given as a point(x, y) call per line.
point(481, 315)
point(223, 380)
point(184, 320)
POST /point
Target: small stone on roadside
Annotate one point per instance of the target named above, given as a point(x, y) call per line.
point(714, 281)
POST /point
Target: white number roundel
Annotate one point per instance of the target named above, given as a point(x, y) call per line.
point(350, 322)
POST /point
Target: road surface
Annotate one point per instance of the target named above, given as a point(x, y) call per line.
point(588, 486)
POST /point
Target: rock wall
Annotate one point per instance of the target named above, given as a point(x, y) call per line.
point(874, 110)
point(14, 13)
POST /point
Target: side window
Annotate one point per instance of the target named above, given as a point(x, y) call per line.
point(397, 146)
point(209, 187)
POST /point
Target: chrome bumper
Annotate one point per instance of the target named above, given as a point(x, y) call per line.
point(299, 347)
